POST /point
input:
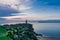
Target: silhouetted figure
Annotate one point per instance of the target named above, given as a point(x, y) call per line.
point(26, 21)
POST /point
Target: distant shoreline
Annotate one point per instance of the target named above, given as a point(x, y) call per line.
point(48, 38)
point(43, 37)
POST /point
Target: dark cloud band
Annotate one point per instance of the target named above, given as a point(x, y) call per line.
point(5, 10)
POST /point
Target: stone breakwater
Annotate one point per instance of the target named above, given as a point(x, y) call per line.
point(20, 31)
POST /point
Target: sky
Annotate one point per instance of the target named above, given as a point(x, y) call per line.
point(15, 10)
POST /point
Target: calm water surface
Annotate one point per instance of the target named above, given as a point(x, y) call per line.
point(47, 29)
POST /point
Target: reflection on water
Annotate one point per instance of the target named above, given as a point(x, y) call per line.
point(47, 29)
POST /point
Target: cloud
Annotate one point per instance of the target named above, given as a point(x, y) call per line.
point(13, 10)
point(17, 4)
point(5, 10)
point(8, 7)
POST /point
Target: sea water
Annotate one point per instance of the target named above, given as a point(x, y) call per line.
point(47, 29)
